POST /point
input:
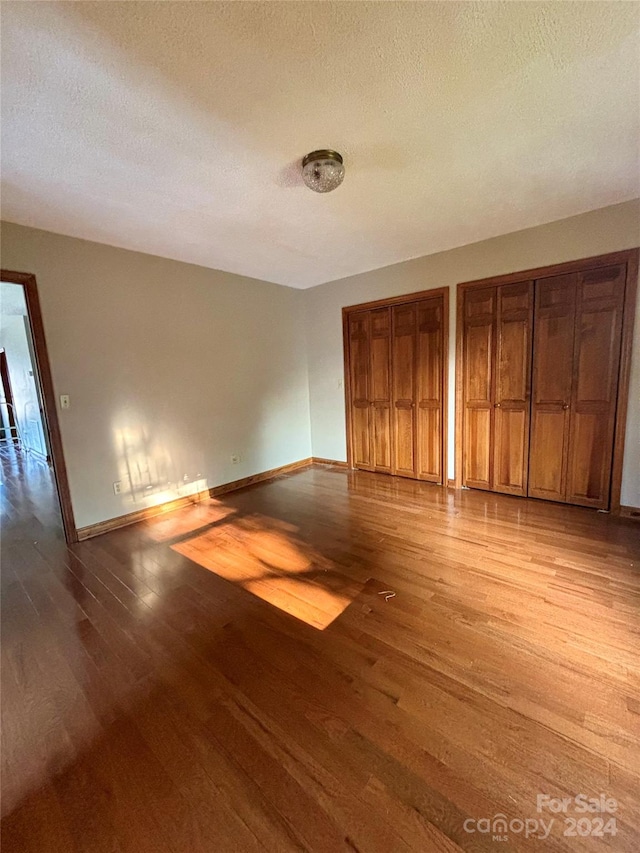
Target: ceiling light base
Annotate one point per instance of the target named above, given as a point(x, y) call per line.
point(323, 170)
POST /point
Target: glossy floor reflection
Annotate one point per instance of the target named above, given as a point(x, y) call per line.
point(151, 704)
point(267, 558)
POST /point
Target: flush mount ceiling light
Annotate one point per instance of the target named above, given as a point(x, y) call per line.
point(323, 171)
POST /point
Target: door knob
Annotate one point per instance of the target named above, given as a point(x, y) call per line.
point(497, 405)
point(565, 405)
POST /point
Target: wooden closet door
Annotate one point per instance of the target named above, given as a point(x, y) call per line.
point(359, 364)
point(404, 384)
point(553, 345)
point(512, 387)
point(430, 393)
point(479, 314)
point(380, 389)
point(596, 362)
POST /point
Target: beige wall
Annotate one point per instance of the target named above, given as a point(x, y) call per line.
point(171, 369)
point(606, 230)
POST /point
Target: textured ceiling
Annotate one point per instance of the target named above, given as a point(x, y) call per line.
point(177, 128)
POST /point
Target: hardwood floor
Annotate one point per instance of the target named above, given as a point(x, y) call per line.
point(151, 702)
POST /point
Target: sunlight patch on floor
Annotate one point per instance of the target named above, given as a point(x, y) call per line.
point(267, 558)
point(179, 524)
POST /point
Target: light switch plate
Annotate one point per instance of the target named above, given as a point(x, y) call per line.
point(64, 401)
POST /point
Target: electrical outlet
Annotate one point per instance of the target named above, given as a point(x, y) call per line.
point(235, 458)
point(117, 487)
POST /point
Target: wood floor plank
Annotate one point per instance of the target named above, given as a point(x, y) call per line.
point(236, 675)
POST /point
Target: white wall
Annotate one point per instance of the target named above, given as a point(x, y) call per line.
point(606, 230)
point(171, 369)
point(13, 337)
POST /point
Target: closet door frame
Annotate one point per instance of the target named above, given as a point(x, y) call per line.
point(389, 303)
point(629, 257)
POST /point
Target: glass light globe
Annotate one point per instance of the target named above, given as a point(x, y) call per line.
point(323, 171)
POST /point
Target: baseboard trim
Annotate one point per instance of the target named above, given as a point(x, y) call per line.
point(335, 463)
point(632, 512)
point(180, 503)
point(91, 530)
point(225, 488)
point(119, 521)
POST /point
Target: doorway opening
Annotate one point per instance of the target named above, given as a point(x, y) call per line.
point(29, 429)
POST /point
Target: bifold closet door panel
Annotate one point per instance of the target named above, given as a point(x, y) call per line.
point(479, 315)
point(512, 387)
point(555, 305)
point(539, 381)
point(359, 361)
point(596, 363)
point(404, 388)
point(430, 393)
point(380, 389)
